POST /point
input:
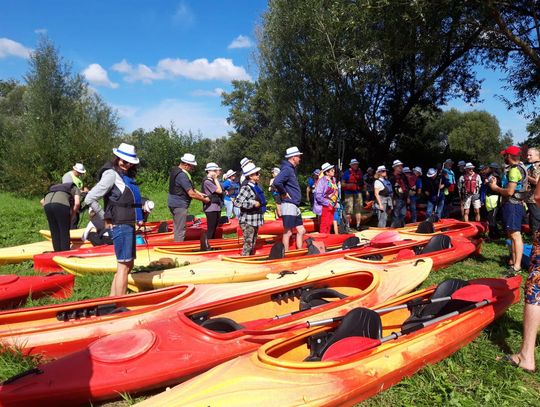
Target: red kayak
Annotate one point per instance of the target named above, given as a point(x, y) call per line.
point(14, 290)
point(275, 227)
point(164, 351)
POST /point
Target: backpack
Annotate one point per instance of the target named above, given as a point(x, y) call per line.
point(522, 185)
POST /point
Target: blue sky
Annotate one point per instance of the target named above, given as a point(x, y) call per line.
point(162, 62)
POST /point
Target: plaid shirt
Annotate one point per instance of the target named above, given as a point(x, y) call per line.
point(246, 200)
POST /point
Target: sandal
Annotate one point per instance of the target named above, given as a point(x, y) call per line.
point(511, 272)
point(512, 362)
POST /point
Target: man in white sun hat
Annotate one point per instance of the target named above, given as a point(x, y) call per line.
point(286, 183)
point(416, 178)
point(352, 184)
point(123, 210)
point(401, 194)
point(181, 192)
point(469, 192)
point(74, 176)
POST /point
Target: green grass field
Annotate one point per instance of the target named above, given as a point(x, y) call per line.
point(471, 377)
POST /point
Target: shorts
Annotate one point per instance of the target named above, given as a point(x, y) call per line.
point(532, 287)
point(123, 237)
point(512, 215)
point(353, 204)
point(473, 200)
point(290, 213)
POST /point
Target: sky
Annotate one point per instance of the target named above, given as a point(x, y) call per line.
point(165, 62)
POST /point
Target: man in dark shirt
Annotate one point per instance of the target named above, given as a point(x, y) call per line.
point(181, 192)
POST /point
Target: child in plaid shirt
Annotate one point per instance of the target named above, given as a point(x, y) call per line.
point(252, 204)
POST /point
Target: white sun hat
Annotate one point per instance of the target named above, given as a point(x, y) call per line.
point(469, 166)
point(127, 153)
point(354, 161)
point(188, 159)
point(212, 167)
point(396, 163)
point(276, 170)
point(431, 172)
point(292, 152)
point(228, 174)
point(406, 169)
point(381, 168)
point(250, 168)
point(79, 168)
point(418, 170)
point(326, 166)
point(244, 161)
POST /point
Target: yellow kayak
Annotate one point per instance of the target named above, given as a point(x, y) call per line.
point(74, 234)
point(18, 254)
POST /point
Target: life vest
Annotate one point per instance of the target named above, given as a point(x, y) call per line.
point(176, 189)
point(522, 185)
point(387, 191)
point(107, 166)
point(259, 197)
point(214, 196)
point(124, 206)
point(411, 180)
point(331, 192)
point(63, 188)
point(401, 185)
point(356, 178)
point(470, 184)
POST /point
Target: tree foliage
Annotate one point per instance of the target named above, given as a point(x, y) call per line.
point(55, 121)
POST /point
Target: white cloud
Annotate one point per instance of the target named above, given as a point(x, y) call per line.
point(96, 75)
point(241, 42)
point(184, 115)
point(199, 69)
point(140, 72)
point(183, 15)
point(201, 92)
point(40, 31)
point(12, 48)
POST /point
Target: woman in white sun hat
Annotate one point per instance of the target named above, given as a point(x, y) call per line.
point(123, 210)
point(326, 197)
point(212, 188)
point(230, 190)
point(383, 193)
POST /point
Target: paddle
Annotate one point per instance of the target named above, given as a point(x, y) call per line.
point(469, 293)
point(352, 345)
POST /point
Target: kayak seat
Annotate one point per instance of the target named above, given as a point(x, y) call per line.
point(358, 322)
point(190, 218)
point(223, 220)
point(163, 227)
point(316, 297)
point(277, 251)
point(315, 247)
point(437, 243)
point(425, 227)
point(426, 312)
point(350, 242)
point(221, 325)
point(405, 254)
point(373, 257)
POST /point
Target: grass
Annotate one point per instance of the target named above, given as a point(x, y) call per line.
point(471, 377)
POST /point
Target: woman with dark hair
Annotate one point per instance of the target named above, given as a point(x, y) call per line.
point(123, 210)
point(212, 188)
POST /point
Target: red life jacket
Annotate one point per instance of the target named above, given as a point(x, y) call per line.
point(470, 184)
point(411, 179)
point(356, 178)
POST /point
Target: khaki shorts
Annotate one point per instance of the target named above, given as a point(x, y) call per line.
point(472, 200)
point(353, 204)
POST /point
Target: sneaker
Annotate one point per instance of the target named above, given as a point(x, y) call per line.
point(511, 272)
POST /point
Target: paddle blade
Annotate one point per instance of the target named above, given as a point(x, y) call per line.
point(476, 293)
point(348, 346)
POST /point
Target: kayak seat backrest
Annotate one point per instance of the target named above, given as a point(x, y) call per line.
point(361, 322)
point(277, 251)
point(405, 254)
point(433, 218)
point(350, 242)
point(315, 297)
point(315, 247)
point(163, 227)
point(205, 246)
point(437, 243)
point(373, 257)
point(425, 227)
point(429, 311)
point(221, 325)
point(223, 220)
point(190, 218)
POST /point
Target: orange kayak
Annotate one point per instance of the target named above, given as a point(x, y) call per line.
point(165, 351)
point(350, 360)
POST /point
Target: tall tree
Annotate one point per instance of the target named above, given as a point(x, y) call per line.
point(360, 71)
